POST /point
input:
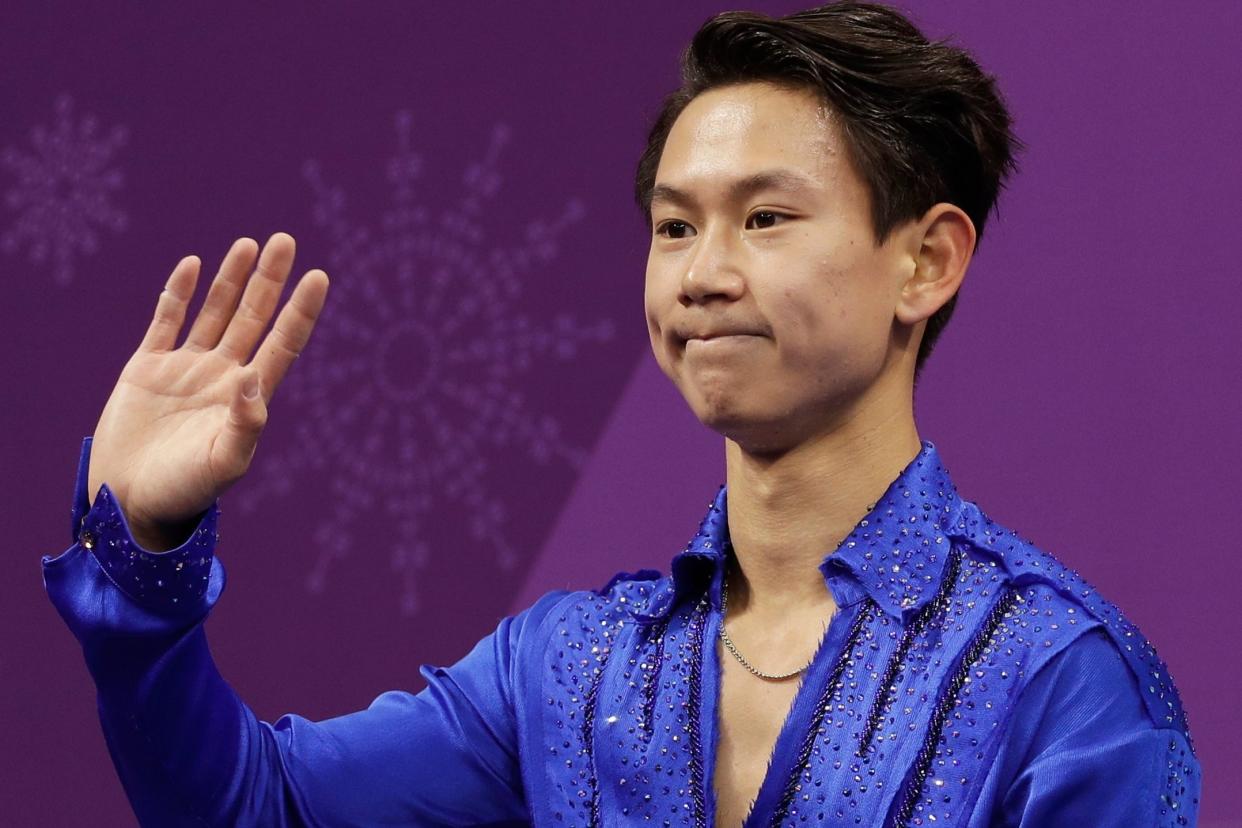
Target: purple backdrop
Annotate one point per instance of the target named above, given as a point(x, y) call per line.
point(479, 416)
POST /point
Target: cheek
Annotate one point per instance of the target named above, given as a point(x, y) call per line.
point(652, 308)
point(828, 321)
point(816, 311)
point(660, 290)
point(656, 301)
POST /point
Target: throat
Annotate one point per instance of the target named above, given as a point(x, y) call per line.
point(782, 644)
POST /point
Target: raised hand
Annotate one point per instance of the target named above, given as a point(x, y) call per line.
point(182, 423)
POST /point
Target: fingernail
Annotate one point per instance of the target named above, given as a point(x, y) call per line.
point(250, 388)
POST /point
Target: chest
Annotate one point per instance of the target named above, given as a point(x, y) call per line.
point(659, 729)
point(751, 714)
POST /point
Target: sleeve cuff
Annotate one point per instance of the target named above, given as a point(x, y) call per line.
point(158, 580)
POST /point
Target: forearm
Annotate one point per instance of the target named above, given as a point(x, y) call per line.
point(188, 750)
point(185, 746)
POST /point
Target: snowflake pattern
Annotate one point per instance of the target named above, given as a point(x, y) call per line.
point(64, 190)
point(411, 380)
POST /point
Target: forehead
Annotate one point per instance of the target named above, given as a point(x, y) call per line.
point(732, 132)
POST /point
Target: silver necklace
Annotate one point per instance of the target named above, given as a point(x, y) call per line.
point(724, 636)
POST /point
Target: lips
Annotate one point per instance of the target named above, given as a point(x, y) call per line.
point(719, 337)
point(686, 335)
point(717, 345)
point(707, 337)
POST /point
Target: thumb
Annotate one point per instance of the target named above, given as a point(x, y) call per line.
point(247, 416)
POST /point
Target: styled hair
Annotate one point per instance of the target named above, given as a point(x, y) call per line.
point(922, 123)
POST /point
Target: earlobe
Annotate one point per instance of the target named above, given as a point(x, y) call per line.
point(939, 264)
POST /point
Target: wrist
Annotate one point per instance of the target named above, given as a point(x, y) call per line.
point(156, 537)
point(150, 568)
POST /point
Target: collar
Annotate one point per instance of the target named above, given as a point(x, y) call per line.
point(895, 555)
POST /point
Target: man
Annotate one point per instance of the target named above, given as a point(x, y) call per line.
point(846, 641)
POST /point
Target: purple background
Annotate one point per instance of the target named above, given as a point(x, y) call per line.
point(475, 164)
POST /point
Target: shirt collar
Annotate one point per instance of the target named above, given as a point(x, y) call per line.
point(895, 555)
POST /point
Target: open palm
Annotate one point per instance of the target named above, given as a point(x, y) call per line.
point(182, 422)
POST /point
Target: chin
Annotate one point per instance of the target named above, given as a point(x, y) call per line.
point(758, 432)
point(715, 407)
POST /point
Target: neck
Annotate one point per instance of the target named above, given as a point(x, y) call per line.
point(788, 510)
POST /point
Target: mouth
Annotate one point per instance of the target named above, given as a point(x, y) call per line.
point(718, 341)
point(683, 336)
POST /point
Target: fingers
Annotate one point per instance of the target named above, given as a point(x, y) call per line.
point(259, 299)
point(292, 331)
point(222, 297)
point(235, 446)
point(170, 308)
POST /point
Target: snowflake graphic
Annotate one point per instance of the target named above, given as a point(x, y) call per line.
point(412, 377)
point(64, 189)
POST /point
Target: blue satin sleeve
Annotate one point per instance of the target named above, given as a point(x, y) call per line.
point(190, 752)
point(1081, 749)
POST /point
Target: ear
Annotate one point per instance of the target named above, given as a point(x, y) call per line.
point(942, 244)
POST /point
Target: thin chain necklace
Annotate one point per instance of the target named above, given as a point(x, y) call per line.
point(724, 636)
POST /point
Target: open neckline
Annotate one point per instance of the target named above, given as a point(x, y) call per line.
point(786, 758)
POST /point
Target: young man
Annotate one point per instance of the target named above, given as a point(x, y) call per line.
point(845, 641)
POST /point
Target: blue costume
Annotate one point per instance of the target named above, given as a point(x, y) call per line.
point(967, 679)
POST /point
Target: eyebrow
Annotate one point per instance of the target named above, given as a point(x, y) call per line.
point(777, 179)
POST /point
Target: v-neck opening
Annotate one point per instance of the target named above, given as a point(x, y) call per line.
point(793, 732)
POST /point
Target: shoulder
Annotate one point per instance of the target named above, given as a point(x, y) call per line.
point(1059, 608)
point(597, 614)
point(1080, 747)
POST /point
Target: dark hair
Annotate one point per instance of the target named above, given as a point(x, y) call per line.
point(922, 123)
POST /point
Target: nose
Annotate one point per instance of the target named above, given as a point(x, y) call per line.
point(714, 268)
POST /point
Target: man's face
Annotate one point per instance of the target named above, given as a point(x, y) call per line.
point(767, 302)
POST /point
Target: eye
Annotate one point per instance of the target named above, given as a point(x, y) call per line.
point(763, 219)
point(674, 229)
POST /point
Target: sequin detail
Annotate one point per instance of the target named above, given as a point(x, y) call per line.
point(588, 736)
point(1024, 561)
point(694, 709)
point(651, 681)
point(948, 698)
point(1181, 778)
point(866, 614)
point(162, 581)
point(584, 636)
point(886, 693)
